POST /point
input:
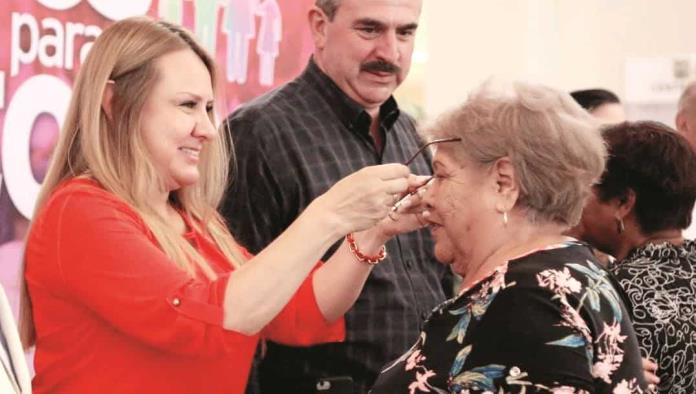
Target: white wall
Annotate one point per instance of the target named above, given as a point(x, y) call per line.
point(569, 44)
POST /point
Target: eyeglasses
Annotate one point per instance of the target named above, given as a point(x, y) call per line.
point(426, 145)
point(420, 150)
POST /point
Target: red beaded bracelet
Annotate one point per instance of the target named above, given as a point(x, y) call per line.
point(372, 260)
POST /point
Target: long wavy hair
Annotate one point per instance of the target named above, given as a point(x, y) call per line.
point(112, 152)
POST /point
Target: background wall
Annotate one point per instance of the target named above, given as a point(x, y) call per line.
point(567, 44)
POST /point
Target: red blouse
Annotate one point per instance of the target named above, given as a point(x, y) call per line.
point(114, 314)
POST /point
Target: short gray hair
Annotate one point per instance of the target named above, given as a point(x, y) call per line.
point(555, 146)
point(328, 6)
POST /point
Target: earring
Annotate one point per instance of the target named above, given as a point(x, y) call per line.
point(505, 219)
point(620, 225)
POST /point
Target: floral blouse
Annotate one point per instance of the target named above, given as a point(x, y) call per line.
point(660, 281)
point(549, 321)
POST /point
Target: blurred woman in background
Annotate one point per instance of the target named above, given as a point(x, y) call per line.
point(637, 213)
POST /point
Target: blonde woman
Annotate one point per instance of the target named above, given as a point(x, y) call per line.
point(133, 283)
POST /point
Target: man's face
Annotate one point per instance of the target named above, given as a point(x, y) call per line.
point(366, 49)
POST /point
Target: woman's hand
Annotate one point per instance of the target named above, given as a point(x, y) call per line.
point(362, 199)
point(406, 215)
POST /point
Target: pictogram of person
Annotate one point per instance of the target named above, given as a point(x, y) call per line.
point(239, 23)
point(267, 44)
point(171, 11)
point(205, 23)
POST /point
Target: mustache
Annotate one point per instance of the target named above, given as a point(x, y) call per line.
point(380, 66)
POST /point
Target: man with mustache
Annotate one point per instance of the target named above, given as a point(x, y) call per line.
point(293, 143)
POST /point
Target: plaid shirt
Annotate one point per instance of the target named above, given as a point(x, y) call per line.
point(292, 145)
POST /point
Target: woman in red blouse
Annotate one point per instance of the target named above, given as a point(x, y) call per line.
point(133, 283)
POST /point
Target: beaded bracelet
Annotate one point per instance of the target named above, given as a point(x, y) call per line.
point(372, 260)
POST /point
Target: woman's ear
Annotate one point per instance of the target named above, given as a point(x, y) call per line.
point(625, 204)
point(506, 188)
point(107, 98)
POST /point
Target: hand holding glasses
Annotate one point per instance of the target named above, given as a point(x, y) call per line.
point(401, 199)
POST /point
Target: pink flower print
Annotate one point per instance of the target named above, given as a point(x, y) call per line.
point(560, 282)
point(603, 370)
point(613, 332)
point(572, 319)
point(610, 354)
point(627, 387)
point(498, 281)
point(414, 359)
point(421, 383)
point(563, 390)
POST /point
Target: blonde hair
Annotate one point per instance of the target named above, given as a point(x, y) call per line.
point(554, 145)
point(113, 153)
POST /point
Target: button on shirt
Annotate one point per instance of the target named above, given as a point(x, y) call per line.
point(292, 145)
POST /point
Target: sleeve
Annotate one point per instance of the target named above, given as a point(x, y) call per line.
point(109, 264)
point(519, 343)
point(253, 206)
point(301, 322)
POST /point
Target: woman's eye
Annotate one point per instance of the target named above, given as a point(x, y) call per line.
point(189, 104)
point(209, 108)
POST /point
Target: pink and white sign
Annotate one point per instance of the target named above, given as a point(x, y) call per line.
point(258, 44)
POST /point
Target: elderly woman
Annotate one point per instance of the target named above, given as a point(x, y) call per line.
point(637, 213)
point(536, 313)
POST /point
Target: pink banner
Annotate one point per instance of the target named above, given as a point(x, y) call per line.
point(258, 44)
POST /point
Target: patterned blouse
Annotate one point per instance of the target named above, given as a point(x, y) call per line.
point(549, 321)
point(660, 281)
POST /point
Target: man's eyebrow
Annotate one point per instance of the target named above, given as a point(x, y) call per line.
point(410, 26)
point(369, 22)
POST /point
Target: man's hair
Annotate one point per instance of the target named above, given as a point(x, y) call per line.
point(658, 164)
point(594, 98)
point(328, 6)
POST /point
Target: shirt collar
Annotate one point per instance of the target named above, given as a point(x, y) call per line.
point(350, 113)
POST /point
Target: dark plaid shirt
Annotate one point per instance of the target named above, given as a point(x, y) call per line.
point(292, 145)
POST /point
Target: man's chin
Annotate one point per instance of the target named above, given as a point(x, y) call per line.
point(446, 258)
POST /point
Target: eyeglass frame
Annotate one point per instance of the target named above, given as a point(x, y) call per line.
point(420, 150)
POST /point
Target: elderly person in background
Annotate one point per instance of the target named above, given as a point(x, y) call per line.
point(536, 312)
point(686, 114)
point(602, 104)
point(637, 213)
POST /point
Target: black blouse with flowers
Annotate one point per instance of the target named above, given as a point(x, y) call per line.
point(549, 321)
point(660, 281)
